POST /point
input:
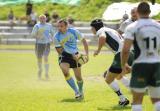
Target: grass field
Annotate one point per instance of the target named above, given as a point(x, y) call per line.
point(20, 90)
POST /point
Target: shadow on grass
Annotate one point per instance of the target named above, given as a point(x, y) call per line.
point(117, 107)
point(72, 100)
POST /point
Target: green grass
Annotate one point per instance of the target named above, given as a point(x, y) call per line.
point(20, 90)
point(86, 11)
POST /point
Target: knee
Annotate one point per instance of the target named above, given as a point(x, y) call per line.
point(39, 59)
point(110, 78)
point(119, 77)
point(46, 59)
point(79, 78)
point(108, 81)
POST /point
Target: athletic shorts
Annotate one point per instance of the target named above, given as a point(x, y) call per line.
point(116, 64)
point(68, 58)
point(145, 74)
point(42, 49)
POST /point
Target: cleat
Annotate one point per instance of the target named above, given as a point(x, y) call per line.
point(124, 103)
point(77, 96)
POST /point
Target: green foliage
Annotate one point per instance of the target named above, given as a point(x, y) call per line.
point(87, 10)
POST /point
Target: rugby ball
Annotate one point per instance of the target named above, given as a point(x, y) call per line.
point(82, 59)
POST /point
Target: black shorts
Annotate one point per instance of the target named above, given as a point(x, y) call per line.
point(116, 64)
point(42, 49)
point(68, 58)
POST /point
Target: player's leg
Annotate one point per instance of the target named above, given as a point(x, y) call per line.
point(113, 72)
point(137, 95)
point(65, 69)
point(46, 63)
point(139, 84)
point(155, 96)
point(111, 81)
point(154, 89)
point(39, 54)
point(124, 79)
point(77, 72)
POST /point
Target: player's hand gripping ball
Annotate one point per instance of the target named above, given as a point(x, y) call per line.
point(81, 59)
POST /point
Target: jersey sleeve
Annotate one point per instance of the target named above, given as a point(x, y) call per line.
point(52, 30)
point(129, 33)
point(101, 34)
point(56, 42)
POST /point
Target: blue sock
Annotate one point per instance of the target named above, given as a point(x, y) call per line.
point(72, 84)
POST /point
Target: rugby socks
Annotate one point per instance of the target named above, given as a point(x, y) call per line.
point(125, 81)
point(72, 84)
point(80, 86)
point(137, 107)
point(114, 85)
point(46, 66)
point(157, 106)
point(39, 69)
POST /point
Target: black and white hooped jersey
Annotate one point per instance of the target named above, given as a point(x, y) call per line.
point(114, 40)
point(145, 34)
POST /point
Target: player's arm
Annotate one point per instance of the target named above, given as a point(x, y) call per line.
point(129, 37)
point(58, 46)
point(101, 43)
point(125, 51)
point(83, 40)
point(85, 44)
point(52, 31)
point(34, 31)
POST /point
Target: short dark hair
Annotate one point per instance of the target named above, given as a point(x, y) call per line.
point(143, 8)
point(97, 24)
point(63, 21)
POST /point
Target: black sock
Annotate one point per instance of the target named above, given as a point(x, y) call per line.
point(118, 93)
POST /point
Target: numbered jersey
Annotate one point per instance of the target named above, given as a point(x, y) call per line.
point(146, 36)
point(114, 40)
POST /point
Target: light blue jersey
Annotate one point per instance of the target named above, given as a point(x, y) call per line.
point(68, 40)
point(43, 33)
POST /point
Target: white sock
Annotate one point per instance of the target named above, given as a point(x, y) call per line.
point(157, 106)
point(39, 69)
point(40, 66)
point(125, 81)
point(46, 68)
point(114, 85)
point(137, 107)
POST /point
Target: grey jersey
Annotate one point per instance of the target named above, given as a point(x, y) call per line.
point(125, 24)
point(114, 41)
point(146, 36)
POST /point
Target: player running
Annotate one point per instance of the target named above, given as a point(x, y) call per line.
point(43, 32)
point(113, 40)
point(66, 45)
